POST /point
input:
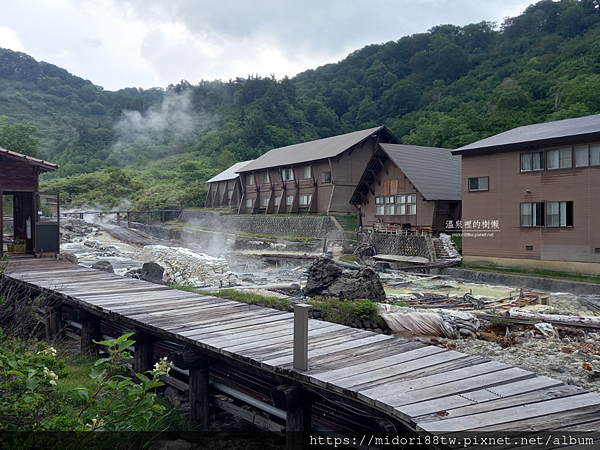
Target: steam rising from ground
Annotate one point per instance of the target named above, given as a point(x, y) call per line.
point(158, 131)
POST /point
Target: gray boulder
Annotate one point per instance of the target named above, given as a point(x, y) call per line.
point(103, 265)
point(328, 280)
point(152, 272)
point(68, 256)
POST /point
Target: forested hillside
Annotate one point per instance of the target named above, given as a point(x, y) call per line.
point(447, 87)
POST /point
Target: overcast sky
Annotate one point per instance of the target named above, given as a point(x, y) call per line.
point(146, 43)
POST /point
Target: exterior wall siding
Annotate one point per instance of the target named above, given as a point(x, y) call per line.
point(508, 188)
point(327, 197)
point(18, 176)
point(425, 209)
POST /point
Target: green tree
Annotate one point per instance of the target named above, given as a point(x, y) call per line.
point(19, 138)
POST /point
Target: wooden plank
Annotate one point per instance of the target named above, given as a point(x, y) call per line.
point(514, 414)
point(327, 350)
point(389, 400)
point(447, 404)
point(497, 403)
point(367, 366)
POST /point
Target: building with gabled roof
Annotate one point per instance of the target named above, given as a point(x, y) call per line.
point(312, 177)
point(530, 197)
point(224, 189)
point(34, 216)
point(409, 187)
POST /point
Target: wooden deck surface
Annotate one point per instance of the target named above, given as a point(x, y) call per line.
point(434, 391)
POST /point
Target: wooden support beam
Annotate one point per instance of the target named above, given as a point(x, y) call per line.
point(143, 357)
point(297, 402)
point(90, 331)
point(301, 336)
point(53, 322)
point(199, 394)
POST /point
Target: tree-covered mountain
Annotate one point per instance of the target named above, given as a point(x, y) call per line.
point(447, 87)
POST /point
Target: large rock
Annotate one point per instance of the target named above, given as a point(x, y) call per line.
point(103, 265)
point(328, 280)
point(152, 272)
point(321, 274)
point(68, 256)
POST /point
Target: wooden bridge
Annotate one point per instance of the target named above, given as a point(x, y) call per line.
point(429, 391)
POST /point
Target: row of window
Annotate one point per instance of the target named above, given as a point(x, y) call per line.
point(549, 214)
point(288, 175)
point(561, 158)
point(304, 200)
point(394, 205)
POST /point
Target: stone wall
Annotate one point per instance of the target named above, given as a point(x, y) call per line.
point(394, 244)
point(314, 226)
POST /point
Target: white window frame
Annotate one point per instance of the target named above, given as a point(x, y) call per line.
point(266, 178)
point(277, 200)
point(379, 206)
point(289, 200)
point(305, 199)
point(265, 201)
point(251, 179)
point(249, 203)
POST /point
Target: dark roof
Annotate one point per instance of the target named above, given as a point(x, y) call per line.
point(229, 174)
point(547, 133)
point(434, 172)
point(314, 150)
point(44, 166)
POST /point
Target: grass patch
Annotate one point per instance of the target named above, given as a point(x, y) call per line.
point(457, 239)
point(350, 259)
point(542, 273)
point(252, 299)
point(348, 221)
point(345, 311)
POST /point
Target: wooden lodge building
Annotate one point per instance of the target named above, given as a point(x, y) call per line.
point(409, 188)
point(30, 223)
point(312, 177)
point(224, 189)
point(536, 189)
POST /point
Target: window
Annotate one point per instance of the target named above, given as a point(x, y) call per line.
point(307, 172)
point(266, 177)
point(478, 184)
point(379, 208)
point(251, 179)
point(406, 204)
point(325, 177)
point(249, 203)
point(559, 214)
point(305, 199)
point(532, 214)
point(265, 201)
point(532, 161)
point(289, 200)
point(595, 155)
point(287, 174)
point(277, 201)
point(229, 194)
point(389, 205)
point(582, 156)
point(561, 158)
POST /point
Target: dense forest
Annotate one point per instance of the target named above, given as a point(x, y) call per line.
point(155, 148)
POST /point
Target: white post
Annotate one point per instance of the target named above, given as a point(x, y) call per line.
point(301, 336)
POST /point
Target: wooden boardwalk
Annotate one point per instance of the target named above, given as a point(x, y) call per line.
point(431, 390)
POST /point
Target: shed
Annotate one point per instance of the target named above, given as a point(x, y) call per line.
point(29, 219)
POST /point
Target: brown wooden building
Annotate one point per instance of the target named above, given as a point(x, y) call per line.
point(409, 187)
point(531, 197)
point(312, 177)
point(30, 223)
point(224, 189)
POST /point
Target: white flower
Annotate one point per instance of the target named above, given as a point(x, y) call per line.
point(162, 367)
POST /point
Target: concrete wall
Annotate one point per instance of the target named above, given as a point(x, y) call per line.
point(313, 226)
point(394, 244)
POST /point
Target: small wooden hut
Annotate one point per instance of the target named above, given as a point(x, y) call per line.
point(29, 219)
